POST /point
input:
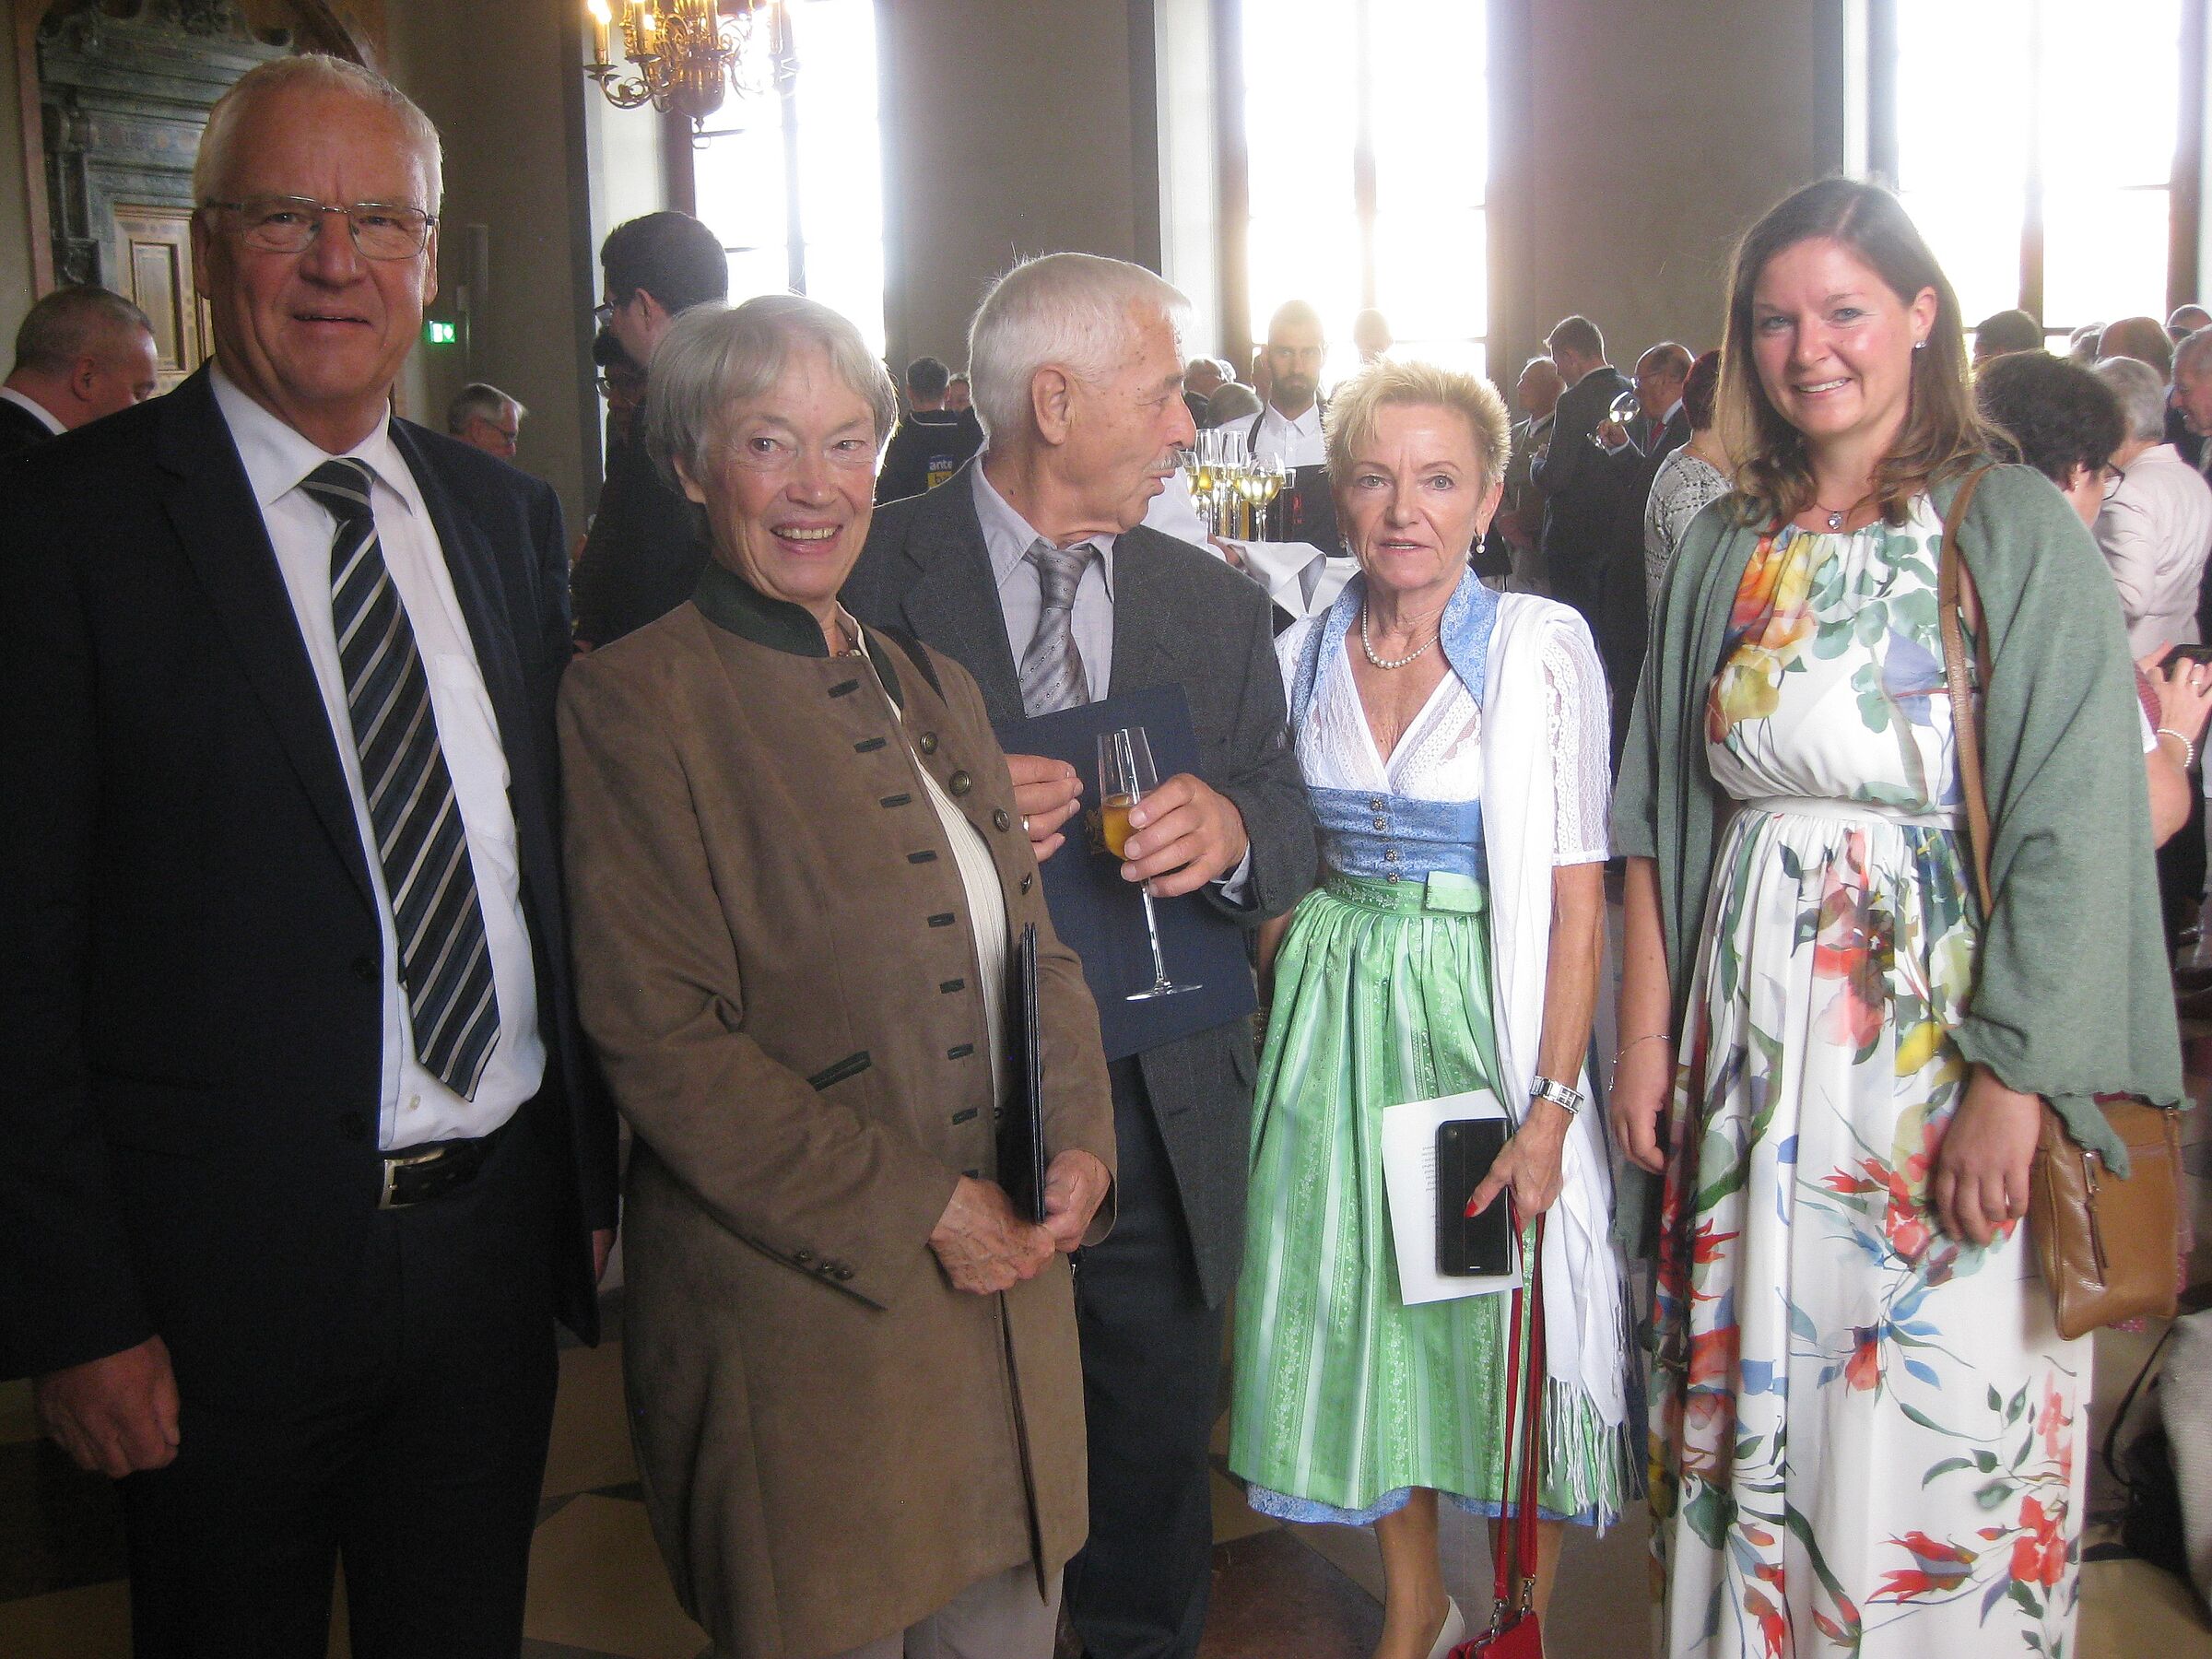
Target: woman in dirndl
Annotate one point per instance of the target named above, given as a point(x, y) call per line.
point(1455, 746)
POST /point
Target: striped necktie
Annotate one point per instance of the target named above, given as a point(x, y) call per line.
point(1052, 669)
point(445, 959)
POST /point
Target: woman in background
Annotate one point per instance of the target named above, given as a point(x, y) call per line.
point(1687, 481)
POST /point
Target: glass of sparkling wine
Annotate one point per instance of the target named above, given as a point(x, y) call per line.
point(1125, 777)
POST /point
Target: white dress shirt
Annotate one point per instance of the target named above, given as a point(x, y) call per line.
point(1007, 538)
point(44, 416)
point(1301, 578)
point(2154, 532)
point(415, 1107)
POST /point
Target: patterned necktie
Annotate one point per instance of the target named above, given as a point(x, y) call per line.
point(445, 960)
point(1052, 669)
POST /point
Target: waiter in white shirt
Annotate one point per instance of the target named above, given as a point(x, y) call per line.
point(1304, 570)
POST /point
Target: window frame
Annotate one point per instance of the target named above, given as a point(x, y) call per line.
point(2185, 184)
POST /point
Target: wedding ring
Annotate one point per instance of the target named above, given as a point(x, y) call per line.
point(1025, 824)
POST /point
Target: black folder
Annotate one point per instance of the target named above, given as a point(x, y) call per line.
point(1021, 1122)
point(1102, 918)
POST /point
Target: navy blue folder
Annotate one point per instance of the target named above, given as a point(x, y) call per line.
point(1102, 917)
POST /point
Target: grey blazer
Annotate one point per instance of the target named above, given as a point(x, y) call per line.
point(1180, 617)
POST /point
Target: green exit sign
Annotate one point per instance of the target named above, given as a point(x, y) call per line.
point(440, 334)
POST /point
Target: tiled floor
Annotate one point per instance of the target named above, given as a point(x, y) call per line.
point(598, 1590)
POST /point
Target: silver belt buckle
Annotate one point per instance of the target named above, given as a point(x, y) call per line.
point(394, 1163)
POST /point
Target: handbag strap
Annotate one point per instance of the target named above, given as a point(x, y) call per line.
point(1514, 1573)
point(1954, 595)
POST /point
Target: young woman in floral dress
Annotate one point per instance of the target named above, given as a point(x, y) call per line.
point(1868, 1435)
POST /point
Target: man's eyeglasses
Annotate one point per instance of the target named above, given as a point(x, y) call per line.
point(604, 314)
point(290, 224)
point(2109, 482)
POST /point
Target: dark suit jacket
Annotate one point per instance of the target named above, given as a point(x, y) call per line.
point(189, 994)
point(1180, 617)
point(645, 550)
point(21, 430)
point(1580, 493)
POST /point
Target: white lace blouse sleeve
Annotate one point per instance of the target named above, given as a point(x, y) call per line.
point(1582, 747)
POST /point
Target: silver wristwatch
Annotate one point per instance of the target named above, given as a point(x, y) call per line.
point(1559, 1094)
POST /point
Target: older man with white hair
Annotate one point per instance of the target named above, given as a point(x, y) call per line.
point(303, 1155)
point(2156, 526)
point(1034, 568)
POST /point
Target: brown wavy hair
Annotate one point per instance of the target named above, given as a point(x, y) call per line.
point(1942, 434)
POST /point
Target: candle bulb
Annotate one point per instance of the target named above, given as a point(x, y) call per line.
point(600, 19)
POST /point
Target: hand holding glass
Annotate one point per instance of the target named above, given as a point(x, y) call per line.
point(1125, 777)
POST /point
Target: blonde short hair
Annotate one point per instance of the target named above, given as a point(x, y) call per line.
point(1401, 382)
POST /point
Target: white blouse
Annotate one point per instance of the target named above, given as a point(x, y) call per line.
point(1440, 755)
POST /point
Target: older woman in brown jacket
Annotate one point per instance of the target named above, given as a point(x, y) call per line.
point(796, 868)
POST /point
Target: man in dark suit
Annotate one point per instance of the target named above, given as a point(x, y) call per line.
point(1032, 567)
point(80, 353)
point(1580, 491)
point(1634, 453)
point(303, 1159)
point(932, 442)
point(647, 544)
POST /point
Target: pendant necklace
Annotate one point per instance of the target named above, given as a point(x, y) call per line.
point(1368, 645)
point(1836, 515)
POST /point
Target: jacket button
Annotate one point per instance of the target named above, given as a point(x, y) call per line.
point(928, 744)
point(354, 1126)
point(804, 1258)
point(1381, 823)
point(364, 969)
point(960, 784)
point(1024, 882)
point(841, 1273)
point(999, 819)
point(1374, 803)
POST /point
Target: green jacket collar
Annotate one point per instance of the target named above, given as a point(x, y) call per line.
point(735, 606)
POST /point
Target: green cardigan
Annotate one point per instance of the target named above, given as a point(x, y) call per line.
point(2072, 995)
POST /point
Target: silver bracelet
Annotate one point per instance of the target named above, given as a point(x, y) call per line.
point(2188, 747)
point(1559, 1094)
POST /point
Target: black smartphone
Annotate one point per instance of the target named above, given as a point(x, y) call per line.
point(2190, 654)
point(1470, 1245)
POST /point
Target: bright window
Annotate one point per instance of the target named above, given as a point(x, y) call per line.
point(1366, 129)
point(2035, 150)
point(823, 135)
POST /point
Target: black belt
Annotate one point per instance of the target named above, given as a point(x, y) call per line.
point(418, 1174)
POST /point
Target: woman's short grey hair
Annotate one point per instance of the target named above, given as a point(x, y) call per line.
point(314, 71)
point(1075, 311)
point(714, 357)
point(2141, 394)
point(1348, 423)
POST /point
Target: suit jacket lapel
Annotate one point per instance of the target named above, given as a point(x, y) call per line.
point(219, 525)
point(952, 601)
point(1142, 653)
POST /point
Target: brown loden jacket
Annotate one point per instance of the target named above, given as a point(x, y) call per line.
point(775, 965)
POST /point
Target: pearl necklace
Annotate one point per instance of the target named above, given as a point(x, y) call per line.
point(1368, 645)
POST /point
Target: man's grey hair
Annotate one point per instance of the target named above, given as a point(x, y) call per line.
point(713, 357)
point(1076, 311)
point(73, 323)
point(480, 400)
point(2141, 393)
point(312, 71)
point(2194, 353)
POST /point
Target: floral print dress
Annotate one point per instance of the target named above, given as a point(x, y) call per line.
point(1867, 1436)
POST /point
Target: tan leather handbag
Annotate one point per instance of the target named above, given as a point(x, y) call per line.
point(2106, 1247)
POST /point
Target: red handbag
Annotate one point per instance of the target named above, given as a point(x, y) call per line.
point(1515, 1633)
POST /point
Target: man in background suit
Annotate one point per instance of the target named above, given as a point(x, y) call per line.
point(1032, 567)
point(647, 544)
point(1635, 453)
point(81, 353)
point(302, 1157)
point(1580, 491)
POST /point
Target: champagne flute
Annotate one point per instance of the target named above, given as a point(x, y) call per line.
point(1125, 777)
point(1626, 408)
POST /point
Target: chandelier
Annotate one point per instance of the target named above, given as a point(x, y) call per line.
point(685, 54)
